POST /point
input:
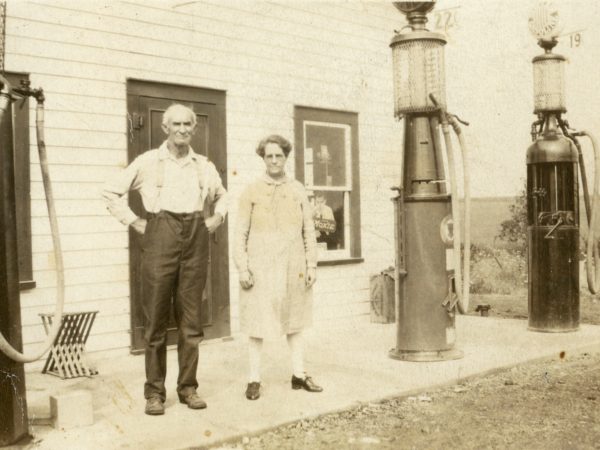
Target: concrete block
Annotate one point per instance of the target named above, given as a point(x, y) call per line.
point(72, 409)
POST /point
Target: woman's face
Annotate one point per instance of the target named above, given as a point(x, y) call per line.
point(274, 160)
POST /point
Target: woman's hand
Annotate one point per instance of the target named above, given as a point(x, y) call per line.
point(246, 280)
point(311, 276)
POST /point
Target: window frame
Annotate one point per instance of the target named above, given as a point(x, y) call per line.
point(304, 115)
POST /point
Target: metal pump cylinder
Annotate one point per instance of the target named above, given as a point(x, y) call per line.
point(425, 327)
point(553, 232)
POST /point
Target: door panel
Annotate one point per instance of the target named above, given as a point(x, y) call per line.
point(146, 104)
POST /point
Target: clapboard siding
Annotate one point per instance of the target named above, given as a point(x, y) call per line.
point(76, 225)
point(71, 242)
point(91, 207)
point(104, 323)
point(98, 105)
point(79, 156)
point(83, 258)
point(74, 120)
point(102, 56)
point(208, 58)
point(111, 295)
point(83, 276)
point(268, 57)
point(66, 191)
point(330, 313)
point(157, 21)
point(141, 66)
point(70, 173)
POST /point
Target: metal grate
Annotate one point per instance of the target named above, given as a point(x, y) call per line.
point(67, 357)
point(418, 71)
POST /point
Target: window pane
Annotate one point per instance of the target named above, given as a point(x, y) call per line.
point(329, 219)
point(326, 148)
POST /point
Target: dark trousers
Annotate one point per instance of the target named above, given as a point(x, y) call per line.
point(174, 270)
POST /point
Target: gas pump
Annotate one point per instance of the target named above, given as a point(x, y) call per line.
point(553, 193)
point(13, 405)
point(429, 283)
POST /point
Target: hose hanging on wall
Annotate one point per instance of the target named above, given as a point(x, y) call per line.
point(6, 93)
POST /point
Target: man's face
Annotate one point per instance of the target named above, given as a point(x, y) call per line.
point(180, 128)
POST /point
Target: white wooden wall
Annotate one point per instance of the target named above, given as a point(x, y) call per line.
point(269, 57)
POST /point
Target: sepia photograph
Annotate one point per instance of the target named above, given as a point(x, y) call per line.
point(299, 224)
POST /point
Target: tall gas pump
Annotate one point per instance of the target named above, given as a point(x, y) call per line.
point(429, 287)
point(13, 405)
point(553, 191)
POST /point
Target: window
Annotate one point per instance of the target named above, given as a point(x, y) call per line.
point(15, 134)
point(326, 145)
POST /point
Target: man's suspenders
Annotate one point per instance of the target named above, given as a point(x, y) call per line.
point(160, 179)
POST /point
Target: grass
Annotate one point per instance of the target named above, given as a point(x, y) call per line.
point(499, 279)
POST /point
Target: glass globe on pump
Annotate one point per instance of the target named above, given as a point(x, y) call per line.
point(549, 68)
point(418, 63)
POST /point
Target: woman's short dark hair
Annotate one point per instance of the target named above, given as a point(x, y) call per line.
point(285, 145)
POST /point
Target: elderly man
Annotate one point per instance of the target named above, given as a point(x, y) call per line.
point(179, 189)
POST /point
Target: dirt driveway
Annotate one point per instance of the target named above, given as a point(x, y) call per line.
point(552, 404)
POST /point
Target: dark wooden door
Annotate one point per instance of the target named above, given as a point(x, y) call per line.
point(146, 103)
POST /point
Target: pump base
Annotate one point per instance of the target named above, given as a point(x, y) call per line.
point(425, 356)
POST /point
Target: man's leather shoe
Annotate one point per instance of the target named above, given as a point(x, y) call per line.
point(305, 383)
point(192, 400)
point(253, 390)
point(154, 406)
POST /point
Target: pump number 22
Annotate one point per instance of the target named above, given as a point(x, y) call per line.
point(445, 19)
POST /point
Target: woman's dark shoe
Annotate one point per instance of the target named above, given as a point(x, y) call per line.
point(305, 383)
point(253, 390)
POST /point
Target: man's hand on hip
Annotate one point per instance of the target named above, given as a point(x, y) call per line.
point(139, 225)
point(213, 222)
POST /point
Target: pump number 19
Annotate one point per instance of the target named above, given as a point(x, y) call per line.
point(575, 40)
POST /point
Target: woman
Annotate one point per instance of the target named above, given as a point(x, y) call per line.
point(275, 253)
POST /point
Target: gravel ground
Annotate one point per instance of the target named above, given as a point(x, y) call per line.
point(553, 404)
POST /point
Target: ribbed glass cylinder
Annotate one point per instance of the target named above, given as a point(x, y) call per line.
point(418, 66)
point(549, 84)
